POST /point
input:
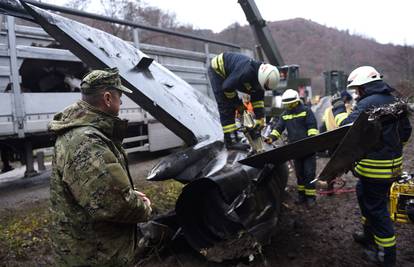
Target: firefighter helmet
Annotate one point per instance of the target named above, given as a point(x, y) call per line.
point(290, 96)
point(268, 76)
point(363, 75)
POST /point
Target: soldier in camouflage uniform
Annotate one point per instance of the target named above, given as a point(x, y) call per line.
point(95, 207)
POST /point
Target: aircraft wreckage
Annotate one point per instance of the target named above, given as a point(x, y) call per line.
point(228, 197)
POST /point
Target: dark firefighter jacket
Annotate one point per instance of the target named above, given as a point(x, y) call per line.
point(240, 74)
point(384, 161)
point(300, 123)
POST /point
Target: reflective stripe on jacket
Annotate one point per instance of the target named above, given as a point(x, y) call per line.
point(384, 161)
point(239, 73)
point(300, 123)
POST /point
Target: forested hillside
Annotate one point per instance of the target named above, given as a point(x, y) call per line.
point(316, 48)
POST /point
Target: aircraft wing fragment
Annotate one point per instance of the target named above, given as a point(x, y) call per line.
point(181, 108)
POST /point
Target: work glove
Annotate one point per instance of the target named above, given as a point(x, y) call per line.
point(337, 102)
point(260, 124)
point(240, 109)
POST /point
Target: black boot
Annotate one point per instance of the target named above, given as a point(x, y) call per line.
point(384, 257)
point(229, 140)
point(301, 198)
point(7, 168)
point(310, 201)
point(390, 256)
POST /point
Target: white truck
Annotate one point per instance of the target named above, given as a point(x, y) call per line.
point(37, 80)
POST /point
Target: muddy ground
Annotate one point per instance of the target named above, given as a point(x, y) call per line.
point(320, 236)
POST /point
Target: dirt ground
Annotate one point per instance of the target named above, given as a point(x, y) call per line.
point(320, 236)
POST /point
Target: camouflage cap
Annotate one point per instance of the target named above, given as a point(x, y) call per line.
point(106, 78)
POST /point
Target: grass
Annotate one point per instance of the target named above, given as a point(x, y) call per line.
point(163, 195)
point(24, 233)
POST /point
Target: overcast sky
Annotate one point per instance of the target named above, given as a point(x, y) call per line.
point(384, 21)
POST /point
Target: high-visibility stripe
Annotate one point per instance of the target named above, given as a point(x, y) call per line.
point(340, 118)
point(217, 63)
point(378, 173)
point(310, 192)
point(260, 122)
point(385, 242)
point(232, 94)
point(275, 133)
point(229, 128)
point(386, 165)
point(363, 220)
point(301, 188)
point(293, 116)
point(313, 131)
point(382, 161)
point(377, 170)
point(258, 104)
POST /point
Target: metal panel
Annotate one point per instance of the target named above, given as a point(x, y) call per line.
point(18, 107)
point(45, 53)
point(298, 149)
point(138, 149)
point(172, 52)
point(6, 116)
point(25, 35)
point(4, 71)
point(6, 126)
point(189, 65)
point(5, 104)
point(40, 108)
point(160, 92)
point(362, 136)
point(37, 123)
point(41, 103)
point(161, 138)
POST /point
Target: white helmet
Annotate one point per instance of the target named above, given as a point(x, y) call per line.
point(268, 76)
point(363, 75)
point(290, 96)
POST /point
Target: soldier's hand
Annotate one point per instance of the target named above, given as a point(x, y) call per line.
point(145, 199)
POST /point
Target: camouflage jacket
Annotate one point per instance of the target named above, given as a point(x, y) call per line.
point(94, 205)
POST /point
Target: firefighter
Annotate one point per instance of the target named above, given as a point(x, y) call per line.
point(378, 168)
point(328, 117)
point(231, 72)
point(300, 122)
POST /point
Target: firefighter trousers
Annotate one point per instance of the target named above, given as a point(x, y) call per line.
point(373, 203)
point(305, 169)
point(225, 106)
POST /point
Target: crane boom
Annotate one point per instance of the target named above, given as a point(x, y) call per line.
point(262, 32)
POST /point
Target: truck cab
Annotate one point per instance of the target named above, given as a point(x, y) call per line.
point(335, 81)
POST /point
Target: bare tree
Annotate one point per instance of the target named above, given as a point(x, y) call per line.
point(78, 4)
